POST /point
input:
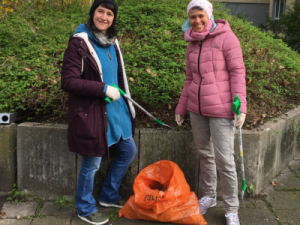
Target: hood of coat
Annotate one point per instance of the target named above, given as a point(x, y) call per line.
point(222, 27)
point(83, 28)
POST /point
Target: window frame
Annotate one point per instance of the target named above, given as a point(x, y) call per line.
point(277, 8)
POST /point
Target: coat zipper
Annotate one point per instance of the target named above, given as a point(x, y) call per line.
point(93, 64)
point(200, 45)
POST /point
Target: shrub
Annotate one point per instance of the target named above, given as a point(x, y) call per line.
point(288, 27)
point(33, 40)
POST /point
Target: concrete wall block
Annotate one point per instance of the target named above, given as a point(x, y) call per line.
point(126, 189)
point(267, 159)
point(251, 147)
point(177, 147)
point(278, 146)
point(287, 144)
point(296, 122)
point(8, 136)
point(297, 144)
point(45, 165)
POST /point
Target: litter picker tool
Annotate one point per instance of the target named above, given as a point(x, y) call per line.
point(137, 105)
point(236, 106)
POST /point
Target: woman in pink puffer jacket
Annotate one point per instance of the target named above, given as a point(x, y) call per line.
point(215, 74)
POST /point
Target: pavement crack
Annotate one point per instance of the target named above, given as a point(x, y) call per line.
point(31, 222)
point(272, 210)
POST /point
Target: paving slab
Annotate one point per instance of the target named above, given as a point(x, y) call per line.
point(117, 220)
point(251, 212)
point(125, 221)
point(12, 210)
point(248, 203)
point(289, 200)
point(215, 216)
point(220, 204)
point(289, 216)
point(287, 181)
point(256, 217)
point(52, 220)
point(297, 193)
point(257, 203)
point(77, 221)
point(15, 222)
point(106, 211)
point(50, 209)
point(294, 165)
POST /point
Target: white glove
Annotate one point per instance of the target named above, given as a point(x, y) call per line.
point(178, 119)
point(239, 120)
point(112, 93)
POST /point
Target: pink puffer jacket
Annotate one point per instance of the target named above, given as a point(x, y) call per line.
point(222, 74)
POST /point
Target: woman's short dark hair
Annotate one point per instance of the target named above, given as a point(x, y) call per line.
point(197, 7)
point(112, 30)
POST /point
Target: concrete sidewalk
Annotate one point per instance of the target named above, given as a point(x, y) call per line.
point(279, 204)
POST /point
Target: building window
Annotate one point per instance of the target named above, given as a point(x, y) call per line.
point(279, 8)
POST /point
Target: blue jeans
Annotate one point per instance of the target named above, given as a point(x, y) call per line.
point(85, 202)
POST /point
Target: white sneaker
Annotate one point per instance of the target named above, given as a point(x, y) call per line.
point(232, 219)
point(206, 202)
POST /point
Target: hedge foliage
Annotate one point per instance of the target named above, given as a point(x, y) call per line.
point(288, 27)
point(33, 40)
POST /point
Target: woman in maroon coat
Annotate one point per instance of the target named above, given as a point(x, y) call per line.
point(92, 62)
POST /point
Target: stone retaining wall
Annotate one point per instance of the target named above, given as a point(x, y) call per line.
point(8, 135)
point(46, 167)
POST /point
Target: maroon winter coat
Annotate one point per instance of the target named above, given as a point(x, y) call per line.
point(87, 117)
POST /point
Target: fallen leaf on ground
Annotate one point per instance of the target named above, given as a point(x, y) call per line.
point(131, 79)
point(151, 73)
point(281, 67)
point(18, 217)
point(170, 107)
point(2, 214)
point(53, 81)
point(27, 69)
point(274, 183)
point(264, 115)
point(167, 32)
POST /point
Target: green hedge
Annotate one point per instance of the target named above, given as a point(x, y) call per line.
point(33, 41)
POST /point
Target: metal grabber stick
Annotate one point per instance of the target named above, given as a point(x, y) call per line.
point(236, 106)
point(140, 107)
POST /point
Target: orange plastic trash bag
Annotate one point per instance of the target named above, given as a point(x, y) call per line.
point(161, 193)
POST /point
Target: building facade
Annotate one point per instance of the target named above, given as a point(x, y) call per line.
point(257, 10)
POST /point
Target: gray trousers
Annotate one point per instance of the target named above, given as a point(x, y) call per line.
point(214, 140)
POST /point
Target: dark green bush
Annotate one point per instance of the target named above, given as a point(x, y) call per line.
point(288, 27)
point(32, 43)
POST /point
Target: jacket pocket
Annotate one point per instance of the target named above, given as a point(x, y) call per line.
point(86, 126)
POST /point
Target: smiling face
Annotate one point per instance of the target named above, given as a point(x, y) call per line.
point(103, 18)
point(198, 20)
